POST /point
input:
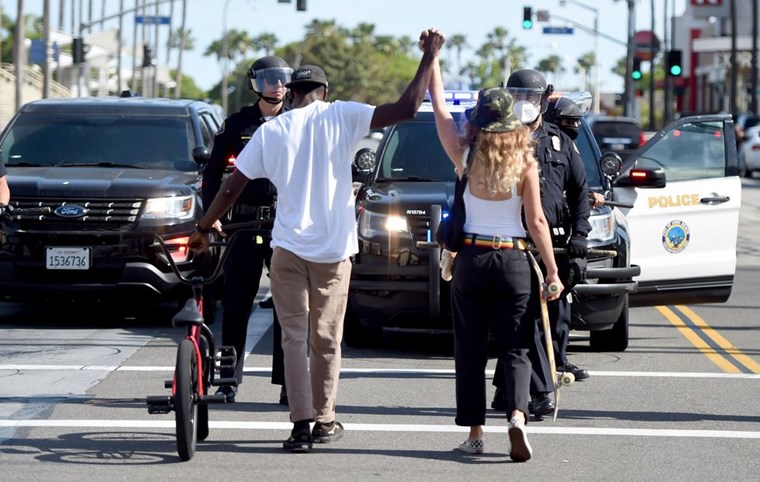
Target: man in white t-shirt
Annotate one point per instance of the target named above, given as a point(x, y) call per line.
point(306, 153)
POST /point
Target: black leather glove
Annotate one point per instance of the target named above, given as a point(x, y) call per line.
point(577, 246)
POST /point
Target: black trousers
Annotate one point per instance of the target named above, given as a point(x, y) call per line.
point(242, 272)
point(560, 313)
point(491, 289)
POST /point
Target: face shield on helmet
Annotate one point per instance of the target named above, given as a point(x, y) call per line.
point(529, 103)
point(266, 80)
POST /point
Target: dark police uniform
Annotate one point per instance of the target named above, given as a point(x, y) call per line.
point(564, 198)
point(246, 259)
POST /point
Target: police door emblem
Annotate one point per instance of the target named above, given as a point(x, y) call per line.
point(675, 236)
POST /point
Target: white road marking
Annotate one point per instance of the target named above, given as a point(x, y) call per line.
point(377, 371)
point(371, 427)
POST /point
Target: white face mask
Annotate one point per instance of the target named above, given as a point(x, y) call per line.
point(526, 111)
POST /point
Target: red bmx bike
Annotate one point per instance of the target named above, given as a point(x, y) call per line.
point(199, 360)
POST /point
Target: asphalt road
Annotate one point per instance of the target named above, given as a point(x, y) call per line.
point(679, 404)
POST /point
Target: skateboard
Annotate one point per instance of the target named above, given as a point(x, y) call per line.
point(566, 378)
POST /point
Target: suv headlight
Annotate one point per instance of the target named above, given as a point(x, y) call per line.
point(373, 224)
point(602, 228)
point(176, 207)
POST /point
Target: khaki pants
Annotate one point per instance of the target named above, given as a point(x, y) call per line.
point(310, 297)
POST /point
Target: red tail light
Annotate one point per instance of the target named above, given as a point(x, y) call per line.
point(642, 139)
point(231, 161)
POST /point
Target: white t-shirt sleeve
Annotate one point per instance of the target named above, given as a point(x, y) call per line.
point(358, 117)
point(250, 161)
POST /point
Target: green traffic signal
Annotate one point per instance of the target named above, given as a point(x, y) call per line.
point(527, 18)
point(675, 70)
point(636, 71)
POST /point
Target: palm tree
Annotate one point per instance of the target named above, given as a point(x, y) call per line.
point(459, 43)
point(185, 40)
point(553, 64)
point(266, 42)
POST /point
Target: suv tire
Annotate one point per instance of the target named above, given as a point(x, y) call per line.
point(616, 338)
point(356, 334)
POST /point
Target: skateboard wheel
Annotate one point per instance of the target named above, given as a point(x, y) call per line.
point(552, 288)
point(567, 378)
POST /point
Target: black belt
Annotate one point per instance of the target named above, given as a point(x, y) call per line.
point(254, 212)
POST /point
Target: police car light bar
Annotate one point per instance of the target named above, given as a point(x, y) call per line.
point(457, 97)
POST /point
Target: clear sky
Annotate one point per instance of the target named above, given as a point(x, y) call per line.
point(472, 18)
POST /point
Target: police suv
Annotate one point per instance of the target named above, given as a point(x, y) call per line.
point(104, 168)
point(680, 186)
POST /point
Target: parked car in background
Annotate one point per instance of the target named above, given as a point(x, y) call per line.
point(106, 168)
point(743, 123)
point(616, 133)
point(749, 152)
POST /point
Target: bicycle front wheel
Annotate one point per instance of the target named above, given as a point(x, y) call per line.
point(185, 406)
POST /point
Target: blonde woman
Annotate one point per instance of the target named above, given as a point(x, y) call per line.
point(492, 279)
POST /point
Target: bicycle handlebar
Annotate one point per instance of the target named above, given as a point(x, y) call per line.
point(252, 227)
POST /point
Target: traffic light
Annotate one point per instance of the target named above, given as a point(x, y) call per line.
point(673, 66)
point(78, 50)
point(527, 18)
point(301, 5)
point(636, 71)
point(147, 60)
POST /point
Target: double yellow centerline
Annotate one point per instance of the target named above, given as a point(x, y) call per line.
point(708, 341)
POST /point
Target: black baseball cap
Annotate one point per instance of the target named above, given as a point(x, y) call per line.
point(308, 74)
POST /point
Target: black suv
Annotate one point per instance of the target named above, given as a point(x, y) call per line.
point(407, 187)
point(105, 168)
point(616, 133)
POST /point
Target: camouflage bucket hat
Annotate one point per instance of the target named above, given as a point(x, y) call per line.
point(494, 111)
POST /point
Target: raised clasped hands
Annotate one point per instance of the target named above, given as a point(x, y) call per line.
point(431, 41)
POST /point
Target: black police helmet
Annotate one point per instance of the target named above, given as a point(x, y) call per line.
point(531, 81)
point(566, 115)
point(562, 108)
point(270, 68)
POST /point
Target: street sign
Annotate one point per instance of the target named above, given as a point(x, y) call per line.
point(558, 30)
point(152, 20)
point(644, 41)
point(37, 51)
point(709, 8)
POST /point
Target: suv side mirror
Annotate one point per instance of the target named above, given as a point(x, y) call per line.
point(652, 178)
point(364, 163)
point(201, 154)
point(611, 163)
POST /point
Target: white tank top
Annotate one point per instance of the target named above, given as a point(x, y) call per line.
point(494, 218)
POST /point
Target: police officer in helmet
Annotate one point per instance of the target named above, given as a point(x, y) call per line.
point(267, 78)
point(564, 197)
point(566, 115)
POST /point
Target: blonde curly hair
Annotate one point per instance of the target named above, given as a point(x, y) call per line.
point(503, 157)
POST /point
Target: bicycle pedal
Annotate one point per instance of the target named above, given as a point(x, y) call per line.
point(215, 398)
point(232, 382)
point(159, 404)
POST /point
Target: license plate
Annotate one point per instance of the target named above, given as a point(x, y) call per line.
point(67, 258)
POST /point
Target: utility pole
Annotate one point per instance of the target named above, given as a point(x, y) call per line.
point(629, 98)
point(732, 62)
point(754, 71)
point(18, 52)
point(46, 42)
point(652, 53)
point(119, 47)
